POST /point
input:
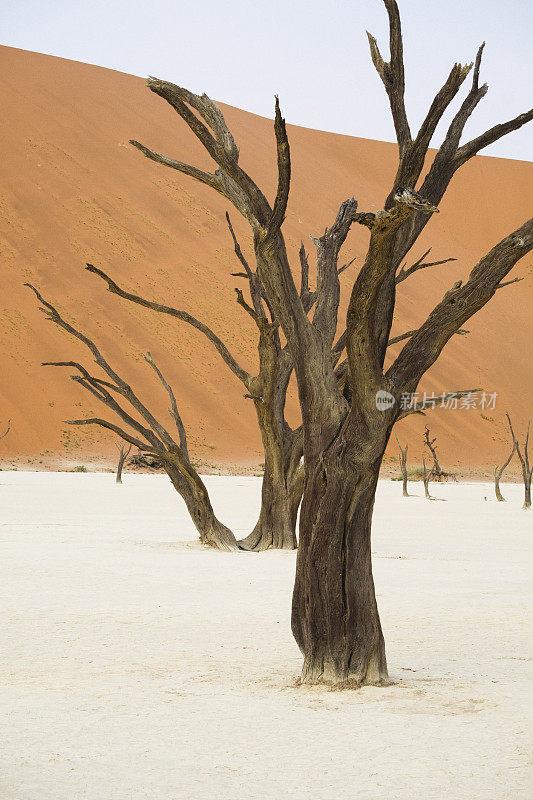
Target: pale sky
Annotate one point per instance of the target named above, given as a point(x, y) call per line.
point(313, 53)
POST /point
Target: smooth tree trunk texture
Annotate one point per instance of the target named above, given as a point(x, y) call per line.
point(335, 617)
point(149, 436)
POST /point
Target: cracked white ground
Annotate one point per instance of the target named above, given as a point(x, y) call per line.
point(135, 664)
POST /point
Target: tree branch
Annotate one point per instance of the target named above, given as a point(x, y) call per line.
point(408, 334)
point(508, 283)
point(284, 172)
point(174, 413)
point(363, 353)
point(457, 306)
point(121, 386)
point(420, 264)
point(96, 387)
point(236, 184)
point(186, 169)
point(183, 316)
point(115, 428)
point(328, 285)
point(393, 76)
point(437, 402)
point(470, 149)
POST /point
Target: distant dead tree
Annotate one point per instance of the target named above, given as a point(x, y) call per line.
point(7, 429)
point(426, 477)
point(403, 466)
point(335, 618)
point(437, 472)
point(123, 453)
point(498, 471)
point(527, 470)
point(149, 436)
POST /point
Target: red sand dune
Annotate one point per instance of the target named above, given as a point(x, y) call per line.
point(74, 190)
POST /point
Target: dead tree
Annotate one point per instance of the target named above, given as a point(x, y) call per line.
point(437, 472)
point(149, 436)
point(403, 466)
point(283, 477)
point(527, 470)
point(427, 475)
point(123, 453)
point(335, 618)
point(3, 435)
point(498, 472)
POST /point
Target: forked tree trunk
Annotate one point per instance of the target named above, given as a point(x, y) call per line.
point(335, 617)
point(193, 491)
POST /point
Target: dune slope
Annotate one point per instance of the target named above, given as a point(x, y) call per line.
point(73, 190)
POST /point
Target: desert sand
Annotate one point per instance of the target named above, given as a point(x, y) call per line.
point(136, 664)
point(74, 190)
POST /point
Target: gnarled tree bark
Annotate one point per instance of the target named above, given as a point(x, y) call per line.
point(334, 617)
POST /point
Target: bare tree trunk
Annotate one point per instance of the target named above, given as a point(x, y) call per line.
point(335, 618)
point(426, 479)
point(527, 492)
point(193, 491)
point(527, 469)
point(497, 475)
point(123, 454)
point(403, 466)
point(498, 472)
point(276, 526)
